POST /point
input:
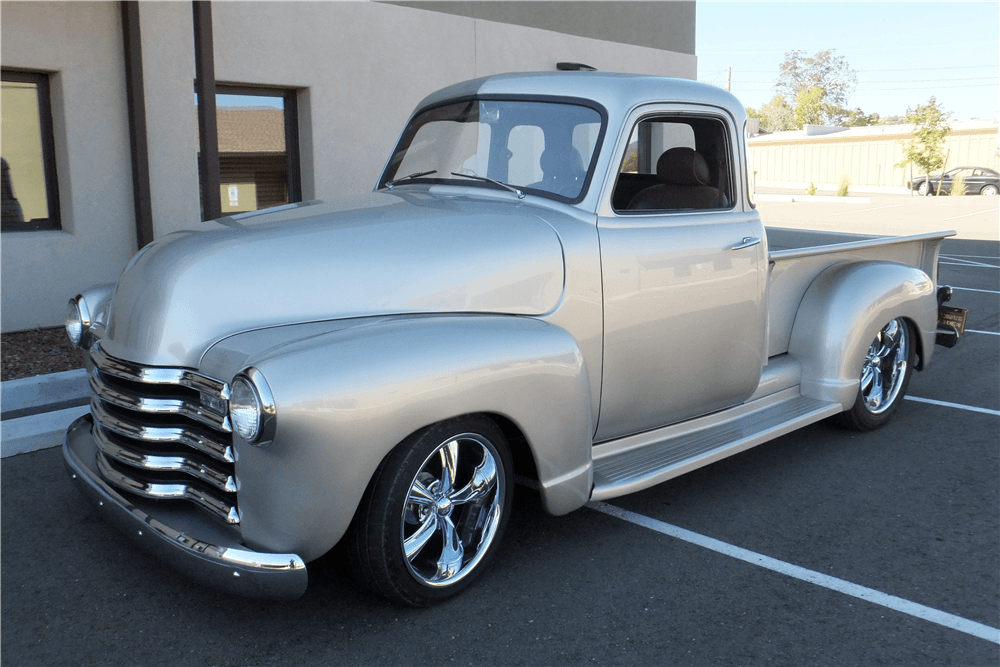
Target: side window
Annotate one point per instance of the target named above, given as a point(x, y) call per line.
point(675, 163)
point(28, 168)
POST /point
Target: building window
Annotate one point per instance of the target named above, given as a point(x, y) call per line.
point(30, 193)
point(258, 148)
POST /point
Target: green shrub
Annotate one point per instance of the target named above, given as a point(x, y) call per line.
point(958, 185)
point(811, 190)
point(845, 185)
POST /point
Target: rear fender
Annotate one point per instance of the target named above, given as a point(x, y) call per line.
point(841, 313)
point(346, 398)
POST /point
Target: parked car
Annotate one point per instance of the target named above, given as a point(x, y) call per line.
point(978, 181)
point(514, 297)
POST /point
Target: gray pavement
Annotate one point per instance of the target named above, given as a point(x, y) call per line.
point(909, 511)
point(973, 217)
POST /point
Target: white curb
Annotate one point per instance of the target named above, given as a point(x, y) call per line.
point(34, 432)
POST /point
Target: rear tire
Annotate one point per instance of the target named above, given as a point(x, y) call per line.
point(434, 513)
point(989, 190)
point(885, 375)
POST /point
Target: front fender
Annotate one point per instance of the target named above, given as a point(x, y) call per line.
point(346, 398)
point(840, 315)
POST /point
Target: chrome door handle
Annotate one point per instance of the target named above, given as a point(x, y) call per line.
point(747, 242)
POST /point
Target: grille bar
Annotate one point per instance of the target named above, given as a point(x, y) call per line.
point(186, 436)
point(160, 463)
point(157, 375)
point(220, 508)
point(160, 406)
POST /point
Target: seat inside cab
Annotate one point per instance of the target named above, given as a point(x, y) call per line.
point(675, 163)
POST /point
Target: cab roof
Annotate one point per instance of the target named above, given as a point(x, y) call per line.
point(618, 93)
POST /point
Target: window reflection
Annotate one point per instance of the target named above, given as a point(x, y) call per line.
point(254, 159)
point(25, 134)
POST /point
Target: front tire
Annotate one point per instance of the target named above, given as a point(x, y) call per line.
point(434, 513)
point(885, 375)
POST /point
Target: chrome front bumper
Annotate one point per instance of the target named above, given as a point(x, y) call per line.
point(215, 557)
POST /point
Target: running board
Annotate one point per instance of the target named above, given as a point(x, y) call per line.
point(640, 461)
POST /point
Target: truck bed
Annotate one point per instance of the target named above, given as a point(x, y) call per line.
point(797, 256)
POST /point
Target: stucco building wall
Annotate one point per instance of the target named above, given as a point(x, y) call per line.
point(359, 68)
point(80, 43)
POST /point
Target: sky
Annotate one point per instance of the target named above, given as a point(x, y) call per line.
point(903, 52)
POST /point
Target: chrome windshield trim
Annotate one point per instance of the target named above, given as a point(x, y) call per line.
point(155, 463)
point(163, 406)
point(218, 508)
point(127, 370)
point(163, 434)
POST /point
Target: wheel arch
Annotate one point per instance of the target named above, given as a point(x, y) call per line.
point(347, 398)
point(841, 313)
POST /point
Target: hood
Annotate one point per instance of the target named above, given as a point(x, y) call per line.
point(380, 254)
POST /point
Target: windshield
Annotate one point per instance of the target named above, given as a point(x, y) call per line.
point(542, 148)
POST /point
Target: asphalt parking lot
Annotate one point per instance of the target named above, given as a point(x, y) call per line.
point(823, 547)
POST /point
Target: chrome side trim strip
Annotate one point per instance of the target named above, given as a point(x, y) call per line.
point(222, 510)
point(152, 375)
point(163, 434)
point(217, 478)
point(167, 406)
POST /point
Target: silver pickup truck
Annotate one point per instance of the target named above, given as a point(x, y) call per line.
point(559, 278)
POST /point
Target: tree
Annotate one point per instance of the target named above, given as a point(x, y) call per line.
point(775, 116)
point(925, 147)
point(809, 107)
point(857, 118)
point(824, 70)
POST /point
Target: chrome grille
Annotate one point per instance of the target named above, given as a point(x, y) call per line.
point(164, 433)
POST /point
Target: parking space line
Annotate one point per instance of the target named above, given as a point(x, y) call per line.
point(968, 215)
point(975, 265)
point(863, 210)
point(957, 406)
point(948, 254)
point(971, 289)
point(988, 333)
point(936, 616)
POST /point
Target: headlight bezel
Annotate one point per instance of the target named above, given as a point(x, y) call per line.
point(264, 419)
point(77, 308)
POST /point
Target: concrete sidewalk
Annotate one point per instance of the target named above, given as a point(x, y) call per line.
point(35, 411)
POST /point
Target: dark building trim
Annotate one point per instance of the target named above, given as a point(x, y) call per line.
point(204, 64)
point(137, 132)
point(292, 146)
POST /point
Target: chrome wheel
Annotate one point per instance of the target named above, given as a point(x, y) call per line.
point(885, 374)
point(989, 190)
point(434, 512)
point(452, 510)
point(924, 188)
point(885, 366)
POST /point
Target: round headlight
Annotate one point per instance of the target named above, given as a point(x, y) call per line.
point(77, 319)
point(251, 408)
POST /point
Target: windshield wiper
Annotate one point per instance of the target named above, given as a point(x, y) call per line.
point(520, 195)
point(418, 174)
